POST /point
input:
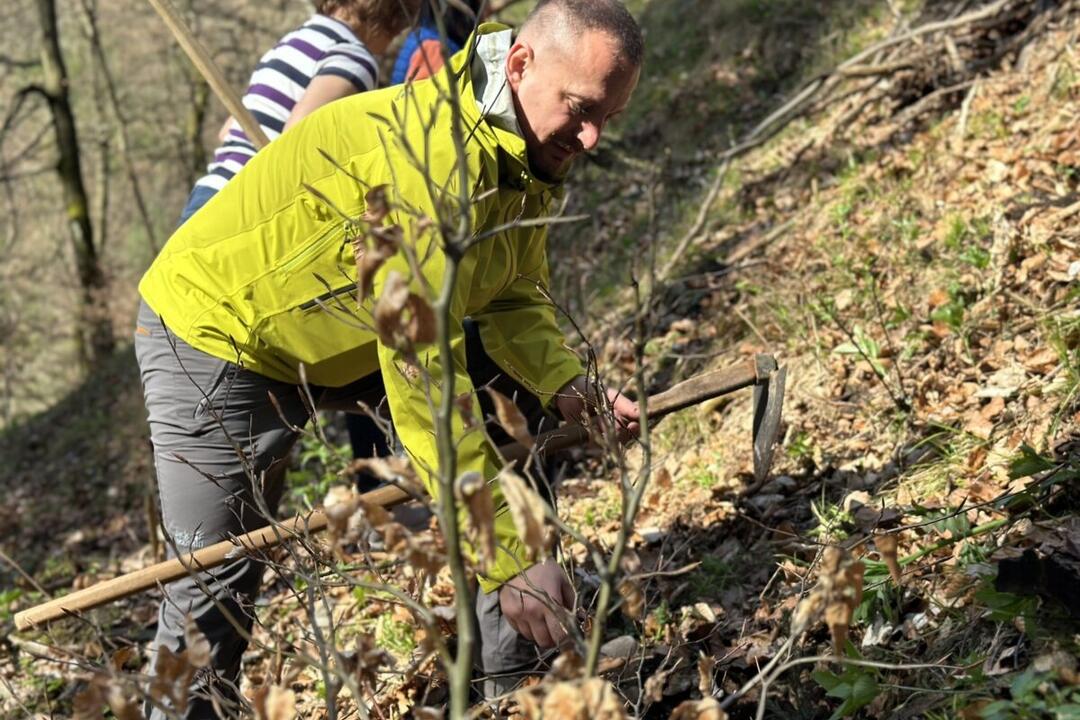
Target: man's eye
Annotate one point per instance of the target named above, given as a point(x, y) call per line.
point(578, 109)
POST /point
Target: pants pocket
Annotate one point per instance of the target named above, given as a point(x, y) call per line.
point(213, 398)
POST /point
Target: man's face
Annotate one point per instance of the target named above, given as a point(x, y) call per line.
point(565, 97)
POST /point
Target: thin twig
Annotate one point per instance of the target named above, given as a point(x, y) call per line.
point(26, 576)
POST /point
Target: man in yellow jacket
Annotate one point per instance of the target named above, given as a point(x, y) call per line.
point(258, 292)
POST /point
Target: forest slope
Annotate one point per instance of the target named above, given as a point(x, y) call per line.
point(905, 241)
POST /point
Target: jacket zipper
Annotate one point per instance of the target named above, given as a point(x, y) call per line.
point(322, 299)
point(314, 248)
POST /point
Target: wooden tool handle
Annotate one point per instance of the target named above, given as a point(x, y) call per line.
point(199, 56)
point(709, 385)
point(685, 394)
point(208, 557)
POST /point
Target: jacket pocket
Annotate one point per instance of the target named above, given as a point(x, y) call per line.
point(331, 299)
point(313, 249)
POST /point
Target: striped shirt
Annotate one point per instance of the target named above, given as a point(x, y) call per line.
point(321, 46)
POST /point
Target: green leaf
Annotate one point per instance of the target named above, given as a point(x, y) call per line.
point(864, 690)
point(995, 710)
point(859, 694)
point(1004, 606)
point(1025, 684)
point(951, 314)
point(857, 687)
point(842, 692)
point(826, 679)
point(1028, 463)
point(1067, 712)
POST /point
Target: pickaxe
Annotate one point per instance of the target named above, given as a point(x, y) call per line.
point(761, 372)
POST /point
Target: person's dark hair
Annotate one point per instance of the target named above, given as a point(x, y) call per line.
point(387, 17)
point(459, 24)
point(609, 16)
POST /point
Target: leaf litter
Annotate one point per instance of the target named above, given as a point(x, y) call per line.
point(942, 251)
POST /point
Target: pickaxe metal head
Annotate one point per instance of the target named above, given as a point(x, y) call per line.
point(768, 406)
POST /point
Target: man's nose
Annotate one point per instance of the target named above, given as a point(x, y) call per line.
point(589, 135)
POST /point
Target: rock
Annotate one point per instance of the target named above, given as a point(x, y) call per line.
point(651, 535)
point(855, 499)
point(761, 503)
point(621, 647)
point(779, 485)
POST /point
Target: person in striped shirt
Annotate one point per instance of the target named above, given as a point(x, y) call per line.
point(330, 56)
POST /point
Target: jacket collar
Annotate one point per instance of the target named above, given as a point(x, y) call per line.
point(487, 105)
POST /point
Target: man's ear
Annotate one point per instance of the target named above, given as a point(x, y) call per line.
point(518, 61)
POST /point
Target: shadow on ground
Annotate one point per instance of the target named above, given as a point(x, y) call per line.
point(74, 480)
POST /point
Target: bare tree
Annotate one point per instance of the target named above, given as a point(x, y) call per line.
point(94, 330)
point(117, 108)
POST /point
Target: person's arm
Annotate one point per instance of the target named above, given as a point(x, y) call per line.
point(223, 133)
point(407, 393)
point(322, 90)
point(520, 333)
point(576, 401)
point(345, 70)
point(519, 329)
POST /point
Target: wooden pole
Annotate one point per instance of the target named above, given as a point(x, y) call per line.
point(685, 394)
point(200, 57)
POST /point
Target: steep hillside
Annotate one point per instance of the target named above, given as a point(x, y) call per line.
point(902, 235)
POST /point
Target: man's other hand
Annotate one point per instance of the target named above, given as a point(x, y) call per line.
point(522, 600)
point(572, 398)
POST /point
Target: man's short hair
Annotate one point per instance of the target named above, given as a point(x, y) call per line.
point(386, 17)
point(608, 16)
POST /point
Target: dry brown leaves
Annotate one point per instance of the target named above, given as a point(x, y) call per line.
point(473, 491)
point(633, 605)
point(274, 703)
point(348, 516)
point(366, 660)
point(655, 683)
point(527, 509)
point(173, 672)
point(886, 545)
point(373, 249)
point(423, 551)
point(706, 666)
point(592, 699)
point(837, 593)
point(402, 318)
point(392, 470)
point(705, 709)
point(510, 418)
point(104, 690)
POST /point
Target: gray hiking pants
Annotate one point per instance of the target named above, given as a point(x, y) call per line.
point(220, 451)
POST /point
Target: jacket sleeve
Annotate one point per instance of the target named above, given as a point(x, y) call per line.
point(414, 398)
point(519, 327)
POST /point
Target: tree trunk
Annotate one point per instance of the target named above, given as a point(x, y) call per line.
point(200, 103)
point(123, 145)
point(94, 328)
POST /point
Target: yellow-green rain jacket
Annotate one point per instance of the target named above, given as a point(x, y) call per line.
point(250, 276)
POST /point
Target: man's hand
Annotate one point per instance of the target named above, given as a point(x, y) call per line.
point(521, 603)
point(572, 398)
